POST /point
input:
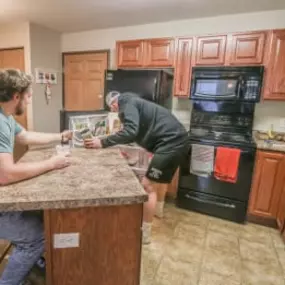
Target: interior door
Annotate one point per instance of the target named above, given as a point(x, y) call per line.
point(14, 58)
point(84, 77)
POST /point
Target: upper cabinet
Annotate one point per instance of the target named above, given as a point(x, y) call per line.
point(247, 48)
point(146, 53)
point(275, 75)
point(159, 52)
point(210, 50)
point(233, 49)
point(183, 66)
point(130, 53)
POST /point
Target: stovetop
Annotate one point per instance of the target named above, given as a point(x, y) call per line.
point(223, 137)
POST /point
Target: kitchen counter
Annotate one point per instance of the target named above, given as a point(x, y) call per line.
point(96, 178)
point(93, 212)
point(270, 145)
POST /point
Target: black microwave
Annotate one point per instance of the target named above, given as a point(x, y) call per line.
point(227, 83)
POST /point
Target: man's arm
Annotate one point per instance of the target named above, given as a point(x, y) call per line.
point(129, 131)
point(11, 172)
point(34, 138)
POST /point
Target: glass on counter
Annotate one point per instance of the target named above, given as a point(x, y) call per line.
point(63, 149)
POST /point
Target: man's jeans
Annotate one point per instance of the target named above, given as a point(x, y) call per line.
point(25, 231)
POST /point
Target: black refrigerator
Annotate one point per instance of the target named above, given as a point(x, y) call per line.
point(152, 85)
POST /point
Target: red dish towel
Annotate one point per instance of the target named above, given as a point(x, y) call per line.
point(226, 164)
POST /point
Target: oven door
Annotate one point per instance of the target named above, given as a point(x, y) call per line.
point(210, 185)
point(215, 88)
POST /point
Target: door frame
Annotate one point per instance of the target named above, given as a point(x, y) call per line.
point(108, 51)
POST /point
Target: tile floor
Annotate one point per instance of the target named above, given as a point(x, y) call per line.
point(194, 249)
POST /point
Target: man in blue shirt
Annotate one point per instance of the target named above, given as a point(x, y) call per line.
point(23, 229)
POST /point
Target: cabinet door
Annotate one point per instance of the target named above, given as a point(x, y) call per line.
point(159, 52)
point(173, 186)
point(275, 78)
point(130, 53)
point(267, 184)
point(183, 67)
point(281, 206)
point(247, 48)
point(210, 50)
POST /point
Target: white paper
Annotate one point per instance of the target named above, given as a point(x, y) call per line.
point(69, 240)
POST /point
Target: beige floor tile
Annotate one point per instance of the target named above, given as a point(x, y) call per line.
point(175, 272)
point(222, 242)
point(223, 226)
point(194, 218)
point(225, 264)
point(277, 239)
point(209, 278)
point(256, 233)
point(184, 251)
point(258, 252)
point(191, 233)
point(281, 257)
point(261, 274)
point(149, 265)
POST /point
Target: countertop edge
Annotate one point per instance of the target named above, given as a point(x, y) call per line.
point(68, 204)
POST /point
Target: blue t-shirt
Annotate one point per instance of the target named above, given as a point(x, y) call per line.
point(9, 128)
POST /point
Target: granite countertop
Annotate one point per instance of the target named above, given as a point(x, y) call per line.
point(270, 145)
point(95, 178)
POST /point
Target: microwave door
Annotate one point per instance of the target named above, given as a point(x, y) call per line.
point(221, 88)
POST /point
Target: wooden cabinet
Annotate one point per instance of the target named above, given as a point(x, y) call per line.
point(183, 67)
point(173, 186)
point(159, 52)
point(281, 211)
point(146, 53)
point(210, 50)
point(130, 53)
point(275, 75)
point(268, 184)
point(247, 48)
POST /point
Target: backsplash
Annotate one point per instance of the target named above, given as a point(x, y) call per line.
point(266, 114)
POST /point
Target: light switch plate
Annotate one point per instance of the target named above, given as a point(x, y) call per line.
point(69, 240)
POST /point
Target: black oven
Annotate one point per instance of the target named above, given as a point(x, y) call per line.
point(227, 83)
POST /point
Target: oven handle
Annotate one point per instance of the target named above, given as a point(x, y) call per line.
point(232, 206)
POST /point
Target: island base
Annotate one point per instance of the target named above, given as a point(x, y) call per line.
point(97, 245)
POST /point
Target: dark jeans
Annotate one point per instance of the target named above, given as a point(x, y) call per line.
point(25, 231)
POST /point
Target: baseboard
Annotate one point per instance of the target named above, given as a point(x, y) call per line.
point(268, 222)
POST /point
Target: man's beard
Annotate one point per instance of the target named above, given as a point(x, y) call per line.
point(19, 109)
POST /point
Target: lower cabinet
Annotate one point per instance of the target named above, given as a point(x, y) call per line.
point(267, 198)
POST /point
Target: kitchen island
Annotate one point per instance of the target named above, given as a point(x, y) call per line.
point(92, 216)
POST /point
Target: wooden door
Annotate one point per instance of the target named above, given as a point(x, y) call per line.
point(267, 184)
point(159, 52)
point(275, 75)
point(14, 58)
point(210, 50)
point(130, 53)
point(183, 67)
point(247, 48)
point(84, 79)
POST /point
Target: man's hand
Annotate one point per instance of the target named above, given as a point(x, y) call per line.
point(93, 143)
point(66, 136)
point(59, 161)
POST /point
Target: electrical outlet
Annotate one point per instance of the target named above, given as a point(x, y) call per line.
point(282, 123)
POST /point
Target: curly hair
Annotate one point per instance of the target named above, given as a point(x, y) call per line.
point(13, 81)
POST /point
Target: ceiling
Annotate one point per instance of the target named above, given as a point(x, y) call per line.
point(78, 15)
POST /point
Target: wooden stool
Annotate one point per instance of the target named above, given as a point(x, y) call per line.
point(5, 252)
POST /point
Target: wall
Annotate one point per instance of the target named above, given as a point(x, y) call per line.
point(105, 39)
point(13, 36)
point(46, 54)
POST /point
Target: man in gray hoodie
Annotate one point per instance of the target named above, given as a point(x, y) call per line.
point(155, 129)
